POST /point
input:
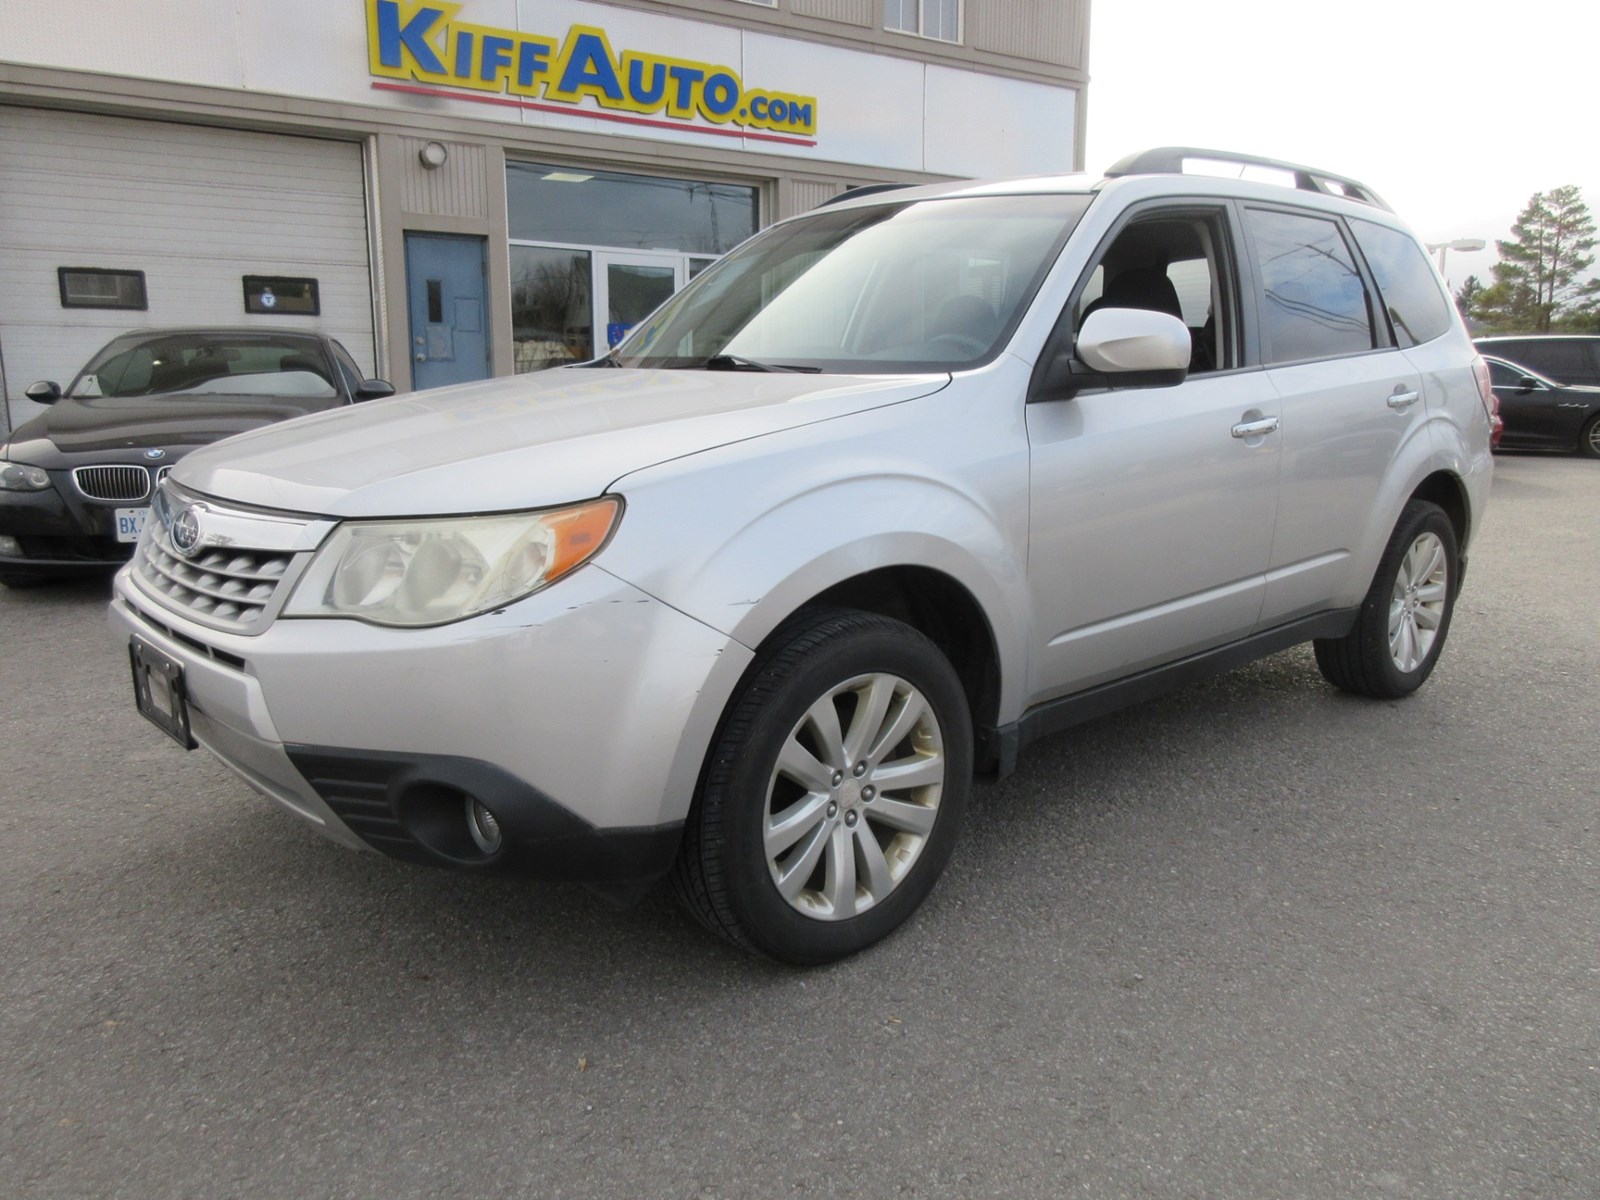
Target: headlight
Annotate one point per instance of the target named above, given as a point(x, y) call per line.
point(19, 477)
point(429, 572)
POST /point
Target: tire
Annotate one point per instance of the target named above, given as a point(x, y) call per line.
point(1589, 439)
point(1406, 614)
point(833, 792)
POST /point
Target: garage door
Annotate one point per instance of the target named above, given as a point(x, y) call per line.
point(196, 209)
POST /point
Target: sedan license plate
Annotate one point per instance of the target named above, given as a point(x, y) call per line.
point(158, 692)
point(130, 523)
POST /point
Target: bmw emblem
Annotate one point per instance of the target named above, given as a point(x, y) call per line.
point(155, 454)
point(186, 530)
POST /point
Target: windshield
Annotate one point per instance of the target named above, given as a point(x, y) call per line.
point(208, 364)
point(928, 285)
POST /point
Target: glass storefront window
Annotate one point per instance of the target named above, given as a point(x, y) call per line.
point(633, 292)
point(552, 318)
point(603, 208)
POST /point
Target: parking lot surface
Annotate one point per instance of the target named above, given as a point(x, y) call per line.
point(1257, 939)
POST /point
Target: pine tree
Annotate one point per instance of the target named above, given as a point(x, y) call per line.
point(1538, 282)
point(1468, 294)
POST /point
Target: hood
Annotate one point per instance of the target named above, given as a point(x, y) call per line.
point(529, 441)
point(71, 428)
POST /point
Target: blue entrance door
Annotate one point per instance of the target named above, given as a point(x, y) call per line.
point(448, 297)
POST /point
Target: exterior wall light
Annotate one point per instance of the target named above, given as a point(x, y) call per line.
point(433, 156)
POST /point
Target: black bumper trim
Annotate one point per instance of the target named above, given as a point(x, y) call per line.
point(412, 807)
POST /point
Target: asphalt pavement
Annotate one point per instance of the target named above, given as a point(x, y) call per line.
point(1257, 939)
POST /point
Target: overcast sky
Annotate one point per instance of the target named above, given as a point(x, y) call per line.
point(1454, 113)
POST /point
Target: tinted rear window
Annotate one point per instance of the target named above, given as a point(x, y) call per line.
point(1417, 306)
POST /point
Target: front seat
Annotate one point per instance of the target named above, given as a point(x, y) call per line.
point(1140, 287)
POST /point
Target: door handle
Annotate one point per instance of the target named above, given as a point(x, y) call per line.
point(1248, 429)
point(1402, 400)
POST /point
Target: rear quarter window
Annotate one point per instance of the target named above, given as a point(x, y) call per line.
point(1417, 307)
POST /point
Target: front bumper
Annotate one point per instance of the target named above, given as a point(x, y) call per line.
point(579, 717)
point(59, 536)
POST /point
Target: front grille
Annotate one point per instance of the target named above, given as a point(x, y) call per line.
point(223, 587)
point(121, 483)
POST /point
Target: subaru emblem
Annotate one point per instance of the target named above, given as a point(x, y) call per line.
point(155, 453)
point(186, 530)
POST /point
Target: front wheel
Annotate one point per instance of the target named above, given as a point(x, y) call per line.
point(833, 792)
point(1406, 614)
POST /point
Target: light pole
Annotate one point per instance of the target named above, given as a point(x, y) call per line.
point(1465, 244)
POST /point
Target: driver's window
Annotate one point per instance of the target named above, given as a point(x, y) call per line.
point(1174, 263)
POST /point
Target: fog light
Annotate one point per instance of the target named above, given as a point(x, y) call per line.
point(10, 546)
point(482, 825)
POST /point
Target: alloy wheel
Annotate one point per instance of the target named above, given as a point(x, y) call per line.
point(1418, 605)
point(853, 796)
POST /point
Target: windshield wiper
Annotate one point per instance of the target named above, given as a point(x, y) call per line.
point(735, 362)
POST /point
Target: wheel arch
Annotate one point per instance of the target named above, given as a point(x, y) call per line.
point(944, 611)
point(1445, 489)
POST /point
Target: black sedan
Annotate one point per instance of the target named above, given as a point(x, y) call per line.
point(1541, 414)
point(75, 482)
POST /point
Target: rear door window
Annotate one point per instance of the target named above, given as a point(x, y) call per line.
point(1313, 302)
point(1417, 307)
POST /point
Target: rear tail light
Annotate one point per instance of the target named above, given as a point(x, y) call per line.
point(1480, 374)
point(1491, 402)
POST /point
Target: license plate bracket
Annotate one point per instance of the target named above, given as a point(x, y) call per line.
point(159, 692)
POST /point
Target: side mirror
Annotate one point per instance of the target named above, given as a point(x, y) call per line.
point(1527, 384)
point(46, 391)
point(1134, 344)
point(1118, 348)
point(374, 389)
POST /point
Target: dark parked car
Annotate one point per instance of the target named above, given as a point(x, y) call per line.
point(76, 481)
point(1564, 357)
point(1541, 414)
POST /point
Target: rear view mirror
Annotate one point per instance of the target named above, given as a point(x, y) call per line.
point(46, 391)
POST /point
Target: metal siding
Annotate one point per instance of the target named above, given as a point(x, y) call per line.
point(807, 194)
point(456, 189)
point(194, 208)
point(866, 13)
point(1054, 32)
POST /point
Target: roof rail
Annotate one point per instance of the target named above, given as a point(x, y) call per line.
point(1168, 160)
point(866, 189)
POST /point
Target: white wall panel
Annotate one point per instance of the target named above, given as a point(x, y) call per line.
point(984, 125)
point(869, 108)
point(872, 109)
point(189, 41)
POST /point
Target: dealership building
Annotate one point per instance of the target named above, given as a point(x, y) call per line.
point(457, 190)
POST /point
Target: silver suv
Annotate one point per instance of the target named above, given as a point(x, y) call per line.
point(895, 488)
